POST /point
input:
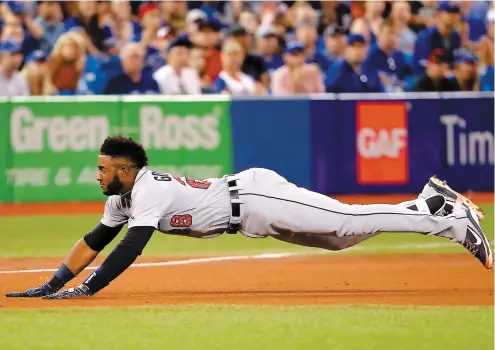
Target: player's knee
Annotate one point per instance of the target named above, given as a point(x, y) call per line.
point(338, 245)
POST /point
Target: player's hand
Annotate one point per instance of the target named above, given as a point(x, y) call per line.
point(79, 291)
point(37, 292)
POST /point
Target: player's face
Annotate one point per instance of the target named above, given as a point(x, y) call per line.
point(113, 174)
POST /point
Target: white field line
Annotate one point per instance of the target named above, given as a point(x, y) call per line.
point(257, 256)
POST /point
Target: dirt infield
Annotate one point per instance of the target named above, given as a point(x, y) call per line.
point(446, 279)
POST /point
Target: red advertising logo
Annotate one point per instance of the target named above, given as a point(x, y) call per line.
point(382, 151)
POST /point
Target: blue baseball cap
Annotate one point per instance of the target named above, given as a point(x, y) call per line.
point(355, 38)
point(15, 7)
point(10, 46)
point(449, 6)
point(182, 40)
point(36, 55)
point(294, 46)
point(467, 58)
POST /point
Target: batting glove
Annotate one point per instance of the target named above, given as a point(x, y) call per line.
point(80, 290)
point(42, 291)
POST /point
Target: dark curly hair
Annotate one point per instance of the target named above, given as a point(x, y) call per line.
point(125, 147)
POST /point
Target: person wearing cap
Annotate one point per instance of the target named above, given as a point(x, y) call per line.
point(24, 11)
point(389, 62)
point(434, 79)
point(351, 75)
point(50, 19)
point(335, 41)
point(231, 79)
point(35, 69)
point(466, 72)
point(134, 79)
point(193, 18)
point(177, 78)
point(442, 36)
point(400, 15)
point(296, 76)
point(12, 82)
point(253, 65)
point(306, 32)
point(267, 46)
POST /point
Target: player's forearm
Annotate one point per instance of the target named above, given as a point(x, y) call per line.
point(80, 257)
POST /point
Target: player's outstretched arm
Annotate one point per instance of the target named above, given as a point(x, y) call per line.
point(81, 255)
point(123, 255)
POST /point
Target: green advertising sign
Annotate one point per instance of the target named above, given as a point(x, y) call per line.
point(54, 143)
point(183, 135)
point(5, 193)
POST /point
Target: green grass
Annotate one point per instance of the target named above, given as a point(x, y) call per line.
point(42, 236)
point(222, 327)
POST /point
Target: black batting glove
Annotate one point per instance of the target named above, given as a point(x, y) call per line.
point(37, 292)
point(79, 291)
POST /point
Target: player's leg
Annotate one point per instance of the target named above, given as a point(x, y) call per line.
point(333, 243)
point(277, 207)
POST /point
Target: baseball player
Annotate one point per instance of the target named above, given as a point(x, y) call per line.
point(256, 202)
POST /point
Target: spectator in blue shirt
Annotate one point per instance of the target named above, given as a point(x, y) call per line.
point(134, 79)
point(306, 32)
point(50, 19)
point(350, 75)
point(487, 79)
point(267, 45)
point(125, 29)
point(466, 73)
point(389, 62)
point(13, 29)
point(88, 24)
point(442, 36)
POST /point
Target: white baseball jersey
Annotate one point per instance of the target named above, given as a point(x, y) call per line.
point(172, 205)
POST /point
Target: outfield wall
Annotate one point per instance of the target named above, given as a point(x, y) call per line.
point(334, 144)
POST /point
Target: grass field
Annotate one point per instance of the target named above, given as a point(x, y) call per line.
point(233, 327)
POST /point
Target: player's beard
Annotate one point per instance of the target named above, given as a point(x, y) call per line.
point(114, 187)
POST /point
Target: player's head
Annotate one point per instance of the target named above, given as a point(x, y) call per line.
point(119, 161)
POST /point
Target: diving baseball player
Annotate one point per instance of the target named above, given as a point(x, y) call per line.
point(255, 202)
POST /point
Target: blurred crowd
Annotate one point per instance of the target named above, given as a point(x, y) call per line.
point(244, 47)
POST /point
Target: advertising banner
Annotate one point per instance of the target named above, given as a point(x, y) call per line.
point(5, 154)
point(54, 144)
point(183, 136)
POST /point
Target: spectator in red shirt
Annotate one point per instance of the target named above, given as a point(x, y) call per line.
point(205, 37)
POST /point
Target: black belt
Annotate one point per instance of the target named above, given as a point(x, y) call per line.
point(235, 226)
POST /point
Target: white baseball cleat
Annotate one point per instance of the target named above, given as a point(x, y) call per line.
point(436, 185)
point(476, 242)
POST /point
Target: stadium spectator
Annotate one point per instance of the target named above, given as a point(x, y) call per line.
point(151, 23)
point(12, 82)
point(66, 65)
point(124, 28)
point(50, 19)
point(177, 78)
point(401, 15)
point(13, 29)
point(253, 65)
point(435, 78)
point(296, 76)
point(486, 54)
point(441, 36)
point(373, 15)
point(134, 79)
point(267, 45)
point(361, 27)
point(87, 23)
point(174, 13)
point(193, 18)
point(390, 63)
point(23, 12)
point(231, 79)
point(205, 37)
point(306, 32)
point(466, 73)
point(34, 71)
point(249, 21)
point(335, 41)
point(197, 61)
point(350, 74)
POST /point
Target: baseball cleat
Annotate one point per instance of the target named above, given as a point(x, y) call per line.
point(476, 242)
point(452, 196)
